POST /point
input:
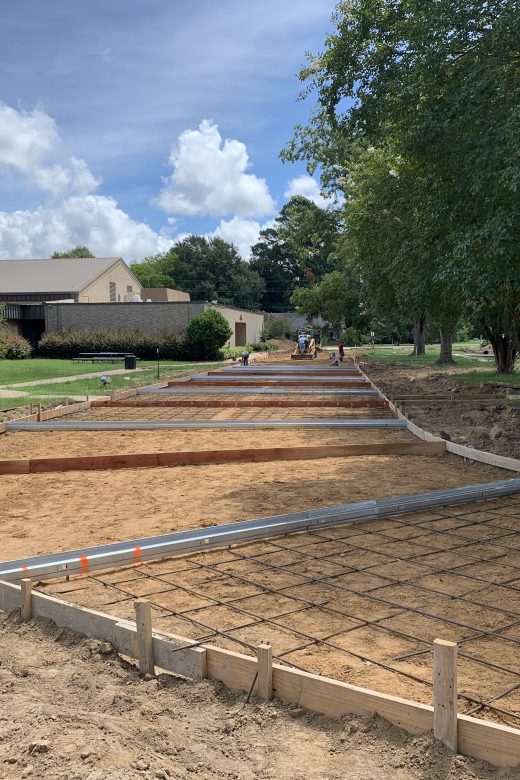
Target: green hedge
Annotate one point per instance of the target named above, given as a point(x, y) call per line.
point(236, 352)
point(68, 344)
point(13, 346)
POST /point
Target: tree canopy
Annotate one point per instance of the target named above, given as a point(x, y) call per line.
point(210, 269)
point(78, 251)
point(416, 124)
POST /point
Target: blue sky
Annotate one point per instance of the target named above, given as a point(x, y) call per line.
point(124, 125)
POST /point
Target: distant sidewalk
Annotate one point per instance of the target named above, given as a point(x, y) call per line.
point(56, 380)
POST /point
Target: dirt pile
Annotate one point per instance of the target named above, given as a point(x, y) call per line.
point(71, 712)
point(479, 416)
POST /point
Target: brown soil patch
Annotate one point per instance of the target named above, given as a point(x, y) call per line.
point(42, 513)
point(100, 721)
point(19, 444)
point(490, 424)
point(190, 413)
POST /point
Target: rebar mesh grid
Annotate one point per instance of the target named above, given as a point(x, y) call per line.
point(358, 603)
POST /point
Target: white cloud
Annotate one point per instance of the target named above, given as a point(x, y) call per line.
point(30, 146)
point(243, 233)
point(308, 187)
point(91, 220)
point(209, 177)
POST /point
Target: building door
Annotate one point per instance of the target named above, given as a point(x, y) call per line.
point(240, 334)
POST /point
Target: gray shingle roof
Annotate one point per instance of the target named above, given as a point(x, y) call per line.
point(61, 275)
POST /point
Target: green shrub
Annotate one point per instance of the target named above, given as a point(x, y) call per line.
point(207, 333)
point(68, 344)
point(264, 346)
point(234, 352)
point(13, 346)
point(352, 337)
point(276, 327)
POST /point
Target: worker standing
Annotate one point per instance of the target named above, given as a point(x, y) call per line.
point(245, 357)
point(341, 350)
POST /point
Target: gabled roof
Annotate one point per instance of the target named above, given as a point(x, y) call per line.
point(65, 275)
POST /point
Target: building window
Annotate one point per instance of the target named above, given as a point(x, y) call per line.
point(129, 288)
point(113, 292)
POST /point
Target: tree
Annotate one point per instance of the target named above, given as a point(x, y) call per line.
point(436, 86)
point(334, 299)
point(309, 234)
point(209, 269)
point(78, 251)
point(274, 262)
point(155, 271)
point(208, 332)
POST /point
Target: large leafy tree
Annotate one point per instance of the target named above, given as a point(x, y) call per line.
point(435, 85)
point(155, 270)
point(309, 233)
point(78, 251)
point(278, 266)
point(208, 268)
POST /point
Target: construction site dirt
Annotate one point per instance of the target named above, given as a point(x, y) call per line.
point(78, 509)
point(478, 415)
point(360, 604)
point(106, 723)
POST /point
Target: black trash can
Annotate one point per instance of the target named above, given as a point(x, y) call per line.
point(130, 362)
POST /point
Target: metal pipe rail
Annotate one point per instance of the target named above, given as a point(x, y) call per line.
point(190, 425)
point(357, 378)
point(258, 390)
point(184, 542)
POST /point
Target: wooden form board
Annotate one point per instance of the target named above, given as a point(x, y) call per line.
point(201, 457)
point(491, 742)
point(469, 453)
point(263, 403)
point(52, 414)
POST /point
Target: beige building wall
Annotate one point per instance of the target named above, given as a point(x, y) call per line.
point(99, 290)
point(164, 295)
point(246, 325)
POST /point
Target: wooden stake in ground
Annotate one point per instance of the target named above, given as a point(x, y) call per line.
point(143, 623)
point(445, 693)
point(264, 656)
point(26, 593)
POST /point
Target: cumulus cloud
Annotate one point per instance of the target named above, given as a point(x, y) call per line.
point(243, 233)
point(31, 146)
point(308, 187)
point(91, 220)
point(209, 177)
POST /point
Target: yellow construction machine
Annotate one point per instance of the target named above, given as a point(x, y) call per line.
point(305, 347)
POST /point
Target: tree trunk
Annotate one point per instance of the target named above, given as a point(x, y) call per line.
point(419, 337)
point(505, 353)
point(446, 356)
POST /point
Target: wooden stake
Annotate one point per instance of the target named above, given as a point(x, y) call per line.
point(143, 622)
point(445, 693)
point(39, 412)
point(26, 593)
point(264, 656)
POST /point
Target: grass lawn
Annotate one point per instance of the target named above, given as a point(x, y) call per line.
point(484, 368)
point(387, 354)
point(13, 371)
point(119, 381)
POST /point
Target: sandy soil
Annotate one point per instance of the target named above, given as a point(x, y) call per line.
point(87, 716)
point(191, 413)
point(385, 589)
point(17, 444)
point(490, 424)
point(42, 513)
